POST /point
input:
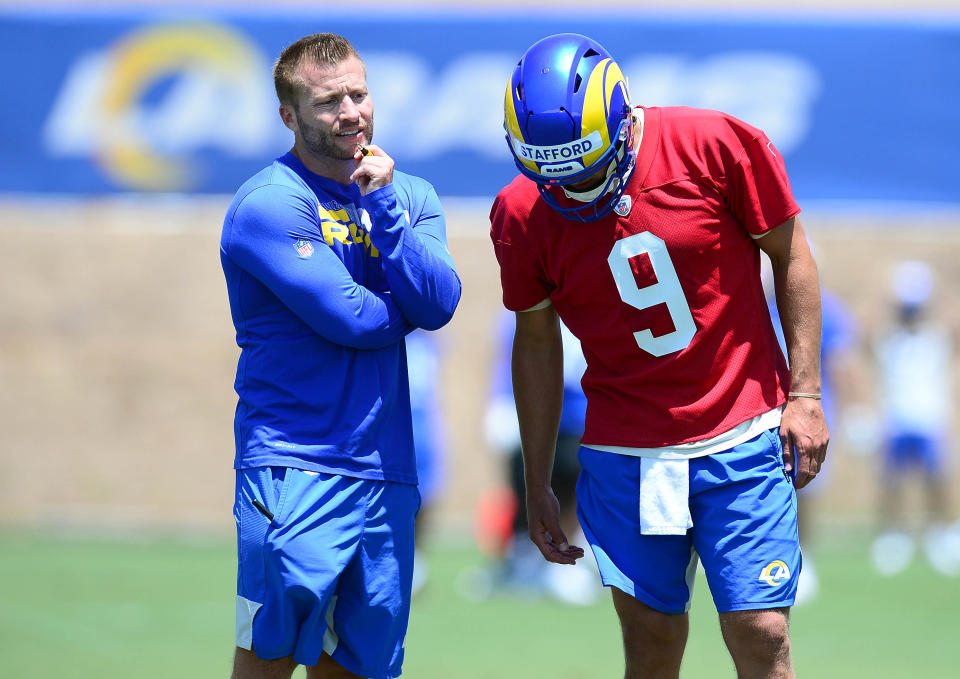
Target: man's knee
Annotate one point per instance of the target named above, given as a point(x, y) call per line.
point(328, 668)
point(650, 636)
point(247, 665)
point(760, 637)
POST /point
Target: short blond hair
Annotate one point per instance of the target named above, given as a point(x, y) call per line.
point(322, 49)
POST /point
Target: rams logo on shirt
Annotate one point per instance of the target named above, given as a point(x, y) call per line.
point(775, 573)
point(337, 225)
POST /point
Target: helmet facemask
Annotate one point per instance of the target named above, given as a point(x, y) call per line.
point(614, 182)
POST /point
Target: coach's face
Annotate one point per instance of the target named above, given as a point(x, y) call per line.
point(334, 111)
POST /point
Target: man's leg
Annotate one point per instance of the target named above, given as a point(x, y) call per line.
point(653, 642)
point(246, 665)
point(745, 531)
point(759, 642)
point(328, 668)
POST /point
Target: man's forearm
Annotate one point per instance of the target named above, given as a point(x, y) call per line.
point(538, 392)
point(417, 262)
point(798, 301)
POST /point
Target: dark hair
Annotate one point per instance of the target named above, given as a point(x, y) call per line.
point(323, 49)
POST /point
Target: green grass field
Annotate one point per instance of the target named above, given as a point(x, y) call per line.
point(162, 607)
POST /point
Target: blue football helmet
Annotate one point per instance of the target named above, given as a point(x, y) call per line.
point(568, 117)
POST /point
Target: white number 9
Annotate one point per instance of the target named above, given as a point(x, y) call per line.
point(666, 290)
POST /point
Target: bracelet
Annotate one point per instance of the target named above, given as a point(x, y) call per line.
point(803, 394)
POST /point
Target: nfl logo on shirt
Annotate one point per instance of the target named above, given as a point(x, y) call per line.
point(622, 207)
point(304, 248)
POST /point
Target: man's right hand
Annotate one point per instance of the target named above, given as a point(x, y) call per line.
point(543, 517)
point(374, 169)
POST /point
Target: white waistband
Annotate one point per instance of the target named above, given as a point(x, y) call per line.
point(715, 444)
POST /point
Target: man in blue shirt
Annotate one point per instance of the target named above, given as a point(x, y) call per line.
point(331, 257)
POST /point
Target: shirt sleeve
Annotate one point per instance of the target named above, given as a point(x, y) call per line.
point(267, 225)
point(759, 190)
point(523, 283)
point(413, 243)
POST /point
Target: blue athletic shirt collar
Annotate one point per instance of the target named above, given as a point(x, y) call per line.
point(347, 193)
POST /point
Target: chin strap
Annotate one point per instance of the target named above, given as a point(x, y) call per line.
point(590, 195)
point(607, 186)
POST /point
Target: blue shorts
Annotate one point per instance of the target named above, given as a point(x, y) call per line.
point(908, 450)
point(744, 512)
point(331, 571)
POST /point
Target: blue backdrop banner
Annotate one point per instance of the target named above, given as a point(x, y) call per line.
point(104, 102)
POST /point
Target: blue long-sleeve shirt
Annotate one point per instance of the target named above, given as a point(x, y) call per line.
point(324, 284)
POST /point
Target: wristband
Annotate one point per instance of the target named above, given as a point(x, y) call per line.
point(803, 394)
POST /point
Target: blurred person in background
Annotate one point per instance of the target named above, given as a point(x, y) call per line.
point(914, 364)
point(429, 439)
point(520, 569)
point(331, 258)
point(641, 228)
point(838, 339)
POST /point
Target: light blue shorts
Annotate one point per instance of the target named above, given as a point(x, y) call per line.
point(744, 512)
point(330, 571)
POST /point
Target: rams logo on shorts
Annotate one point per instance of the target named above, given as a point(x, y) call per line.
point(775, 573)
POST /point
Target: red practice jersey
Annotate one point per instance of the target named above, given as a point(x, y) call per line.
point(666, 300)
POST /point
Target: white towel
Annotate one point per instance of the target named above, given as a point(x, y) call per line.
point(664, 496)
point(246, 610)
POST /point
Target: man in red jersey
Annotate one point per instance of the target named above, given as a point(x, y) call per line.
point(642, 229)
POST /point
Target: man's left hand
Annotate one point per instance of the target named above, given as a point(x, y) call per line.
point(803, 432)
